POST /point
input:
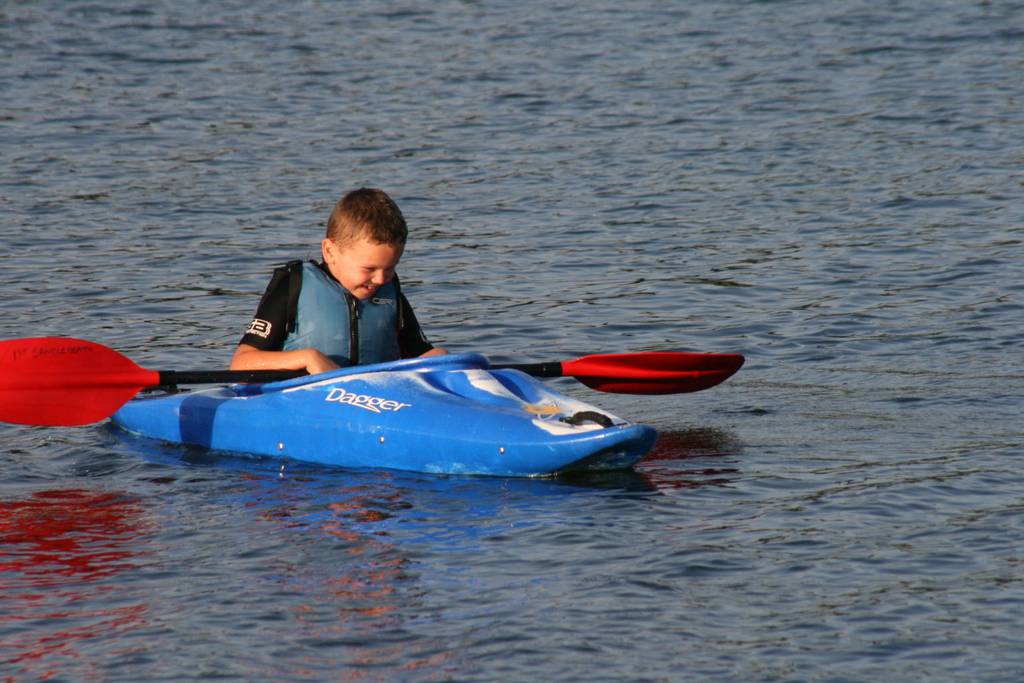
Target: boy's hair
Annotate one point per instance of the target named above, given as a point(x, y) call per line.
point(369, 213)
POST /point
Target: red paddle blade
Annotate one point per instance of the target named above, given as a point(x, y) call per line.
point(63, 381)
point(657, 372)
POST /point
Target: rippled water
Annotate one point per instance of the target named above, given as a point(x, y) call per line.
point(832, 189)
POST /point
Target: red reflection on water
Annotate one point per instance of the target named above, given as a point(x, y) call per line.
point(692, 443)
point(664, 467)
point(57, 551)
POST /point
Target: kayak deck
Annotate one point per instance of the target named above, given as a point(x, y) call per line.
point(446, 414)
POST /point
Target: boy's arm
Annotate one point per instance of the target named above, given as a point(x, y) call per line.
point(248, 357)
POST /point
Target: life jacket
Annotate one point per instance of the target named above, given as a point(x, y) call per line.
point(323, 315)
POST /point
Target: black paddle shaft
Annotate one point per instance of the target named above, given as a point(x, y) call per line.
point(170, 378)
point(173, 377)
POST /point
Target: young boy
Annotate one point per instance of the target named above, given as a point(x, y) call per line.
point(347, 310)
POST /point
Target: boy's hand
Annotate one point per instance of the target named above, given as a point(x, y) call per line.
point(317, 362)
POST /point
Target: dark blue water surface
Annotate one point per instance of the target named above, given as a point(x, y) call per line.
point(833, 189)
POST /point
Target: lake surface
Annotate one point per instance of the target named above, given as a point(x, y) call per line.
point(834, 190)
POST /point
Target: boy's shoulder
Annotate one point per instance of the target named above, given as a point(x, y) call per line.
point(290, 266)
point(286, 283)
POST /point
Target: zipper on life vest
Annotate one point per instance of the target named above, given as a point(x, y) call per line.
point(353, 328)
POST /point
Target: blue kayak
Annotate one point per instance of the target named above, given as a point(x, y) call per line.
point(445, 414)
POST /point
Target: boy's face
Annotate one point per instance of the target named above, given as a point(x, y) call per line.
point(362, 266)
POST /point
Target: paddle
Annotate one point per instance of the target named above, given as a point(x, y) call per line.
point(53, 381)
point(65, 381)
point(652, 372)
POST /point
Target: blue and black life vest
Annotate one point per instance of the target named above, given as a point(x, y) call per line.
point(323, 315)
